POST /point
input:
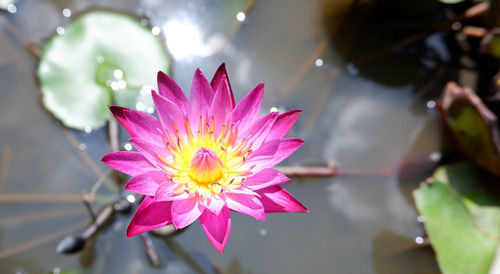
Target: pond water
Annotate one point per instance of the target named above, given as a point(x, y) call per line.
point(375, 118)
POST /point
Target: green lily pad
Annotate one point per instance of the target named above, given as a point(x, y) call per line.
point(451, 1)
point(461, 207)
point(473, 125)
point(102, 58)
point(5, 3)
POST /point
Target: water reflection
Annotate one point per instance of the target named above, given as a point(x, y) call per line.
point(184, 40)
point(11, 8)
point(361, 123)
point(66, 12)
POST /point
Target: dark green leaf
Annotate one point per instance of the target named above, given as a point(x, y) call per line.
point(473, 125)
point(461, 208)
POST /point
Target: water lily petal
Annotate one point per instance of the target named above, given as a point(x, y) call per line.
point(221, 73)
point(129, 162)
point(168, 192)
point(150, 215)
point(277, 199)
point(171, 117)
point(221, 105)
point(283, 124)
point(266, 178)
point(215, 204)
point(246, 204)
point(146, 183)
point(272, 152)
point(201, 97)
point(169, 89)
point(217, 227)
point(185, 212)
point(248, 108)
point(151, 151)
point(138, 123)
point(258, 131)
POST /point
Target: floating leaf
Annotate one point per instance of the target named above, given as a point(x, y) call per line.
point(462, 217)
point(473, 125)
point(451, 1)
point(4, 4)
point(102, 58)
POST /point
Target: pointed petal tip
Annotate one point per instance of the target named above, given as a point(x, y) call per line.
point(220, 250)
point(104, 158)
point(198, 72)
point(114, 108)
point(298, 140)
point(130, 231)
point(161, 74)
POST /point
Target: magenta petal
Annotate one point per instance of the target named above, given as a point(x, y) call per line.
point(216, 80)
point(146, 183)
point(266, 178)
point(277, 199)
point(185, 212)
point(165, 192)
point(129, 162)
point(201, 96)
point(169, 113)
point(138, 124)
point(151, 151)
point(150, 215)
point(170, 90)
point(221, 106)
point(258, 131)
point(217, 227)
point(215, 204)
point(272, 152)
point(283, 124)
point(246, 204)
point(248, 108)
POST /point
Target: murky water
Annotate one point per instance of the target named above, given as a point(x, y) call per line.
point(372, 118)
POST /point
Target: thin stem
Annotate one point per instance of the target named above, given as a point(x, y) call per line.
point(6, 159)
point(45, 198)
point(88, 206)
point(305, 67)
point(39, 241)
point(90, 196)
point(83, 154)
point(30, 47)
point(314, 171)
point(150, 250)
point(186, 257)
point(29, 218)
point(318, 51)
point(114, 134)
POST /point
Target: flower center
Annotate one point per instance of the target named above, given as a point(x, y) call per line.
point(206, 167)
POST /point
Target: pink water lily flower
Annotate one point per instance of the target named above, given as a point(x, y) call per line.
point(205, 157)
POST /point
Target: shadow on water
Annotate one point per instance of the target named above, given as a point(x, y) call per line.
point(416, 43)
point(401, 252)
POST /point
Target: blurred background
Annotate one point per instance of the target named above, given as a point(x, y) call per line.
point(368, 75)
